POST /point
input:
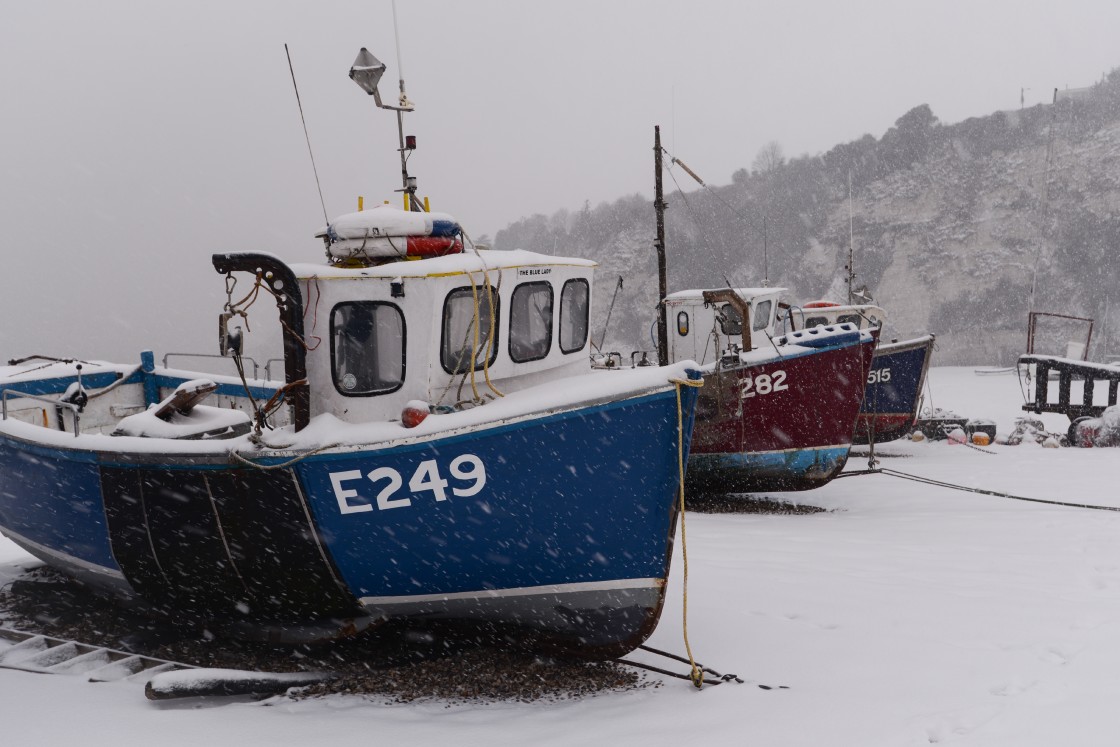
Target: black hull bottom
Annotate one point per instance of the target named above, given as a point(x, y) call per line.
point(227, 545)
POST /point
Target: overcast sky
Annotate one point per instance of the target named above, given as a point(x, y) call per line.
point(140, 137)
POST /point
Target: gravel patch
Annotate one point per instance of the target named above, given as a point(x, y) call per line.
point(393, 663)
point(743, 503)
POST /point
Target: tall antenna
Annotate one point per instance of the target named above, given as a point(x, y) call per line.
point(765, 256)
point(408, 185)
point(326, 218)
point(851, 241)
point(366, 72)
point(1045, 200)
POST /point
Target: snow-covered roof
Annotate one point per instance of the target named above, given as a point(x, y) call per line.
point(745, 293)
point(455, 264)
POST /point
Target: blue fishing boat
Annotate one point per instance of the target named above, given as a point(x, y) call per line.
point(438, 448)
point(898, 370)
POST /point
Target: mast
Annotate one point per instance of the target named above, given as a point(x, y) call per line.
point(659, 244)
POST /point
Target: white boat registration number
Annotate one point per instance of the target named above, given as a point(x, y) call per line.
point(466, 469)
point(762, 384)
point(879, 376)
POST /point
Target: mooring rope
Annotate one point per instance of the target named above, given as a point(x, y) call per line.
point(721, 677)
point(696, 675)
point(981, 491)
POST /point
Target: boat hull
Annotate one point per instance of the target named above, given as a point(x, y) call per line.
point(792, 432)
point(560, 523)
point(894, 390)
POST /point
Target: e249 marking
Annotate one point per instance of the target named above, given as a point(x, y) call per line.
point(466, 468)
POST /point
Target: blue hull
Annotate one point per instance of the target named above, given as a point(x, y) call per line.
point(775, 468)
point(562, 523)
point(894, 390)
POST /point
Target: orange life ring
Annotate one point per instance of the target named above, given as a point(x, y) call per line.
point(819, 305)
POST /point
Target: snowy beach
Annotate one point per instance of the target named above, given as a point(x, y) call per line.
point(904, 614)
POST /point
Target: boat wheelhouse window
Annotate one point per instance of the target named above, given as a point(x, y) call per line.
point(573, 315)
point(730, 321)
point(682, 324)
point(816, 321)
point(367, 348)
point(530, 322)
point(761, 313)
point(459, 329)
point(848, 319)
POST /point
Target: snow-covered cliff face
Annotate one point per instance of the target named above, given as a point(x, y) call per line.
point(951, 227)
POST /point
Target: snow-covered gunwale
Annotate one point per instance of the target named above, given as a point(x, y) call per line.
point(438, 448)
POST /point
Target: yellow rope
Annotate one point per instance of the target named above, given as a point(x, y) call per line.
point(490, 336)
point(696, 675)
point(474, 324)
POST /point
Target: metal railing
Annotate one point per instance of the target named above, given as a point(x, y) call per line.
point(256, 368)
point(9, 393)
point(268, 366)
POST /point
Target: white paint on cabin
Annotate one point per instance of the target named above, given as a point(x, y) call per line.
point(700, 331)
point(419, 290)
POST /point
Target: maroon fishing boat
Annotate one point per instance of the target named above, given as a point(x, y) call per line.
point(775, 413)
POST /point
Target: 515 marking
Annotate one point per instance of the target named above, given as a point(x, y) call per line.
point(879, 376)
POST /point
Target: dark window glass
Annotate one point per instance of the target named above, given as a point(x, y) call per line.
point(816, 321)
point(761, 313)
point(730, 322)
point(682, 323)
point(530, 322)
point(848, 319)
point(367, 348)
point(573, 315)
point(459, 329)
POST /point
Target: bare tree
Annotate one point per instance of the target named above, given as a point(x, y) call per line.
point(769, 157)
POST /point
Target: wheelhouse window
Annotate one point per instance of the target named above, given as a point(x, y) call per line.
point(530, 322)
point(574, 309)
point(816, 321)
point(682, 323)
point(761, 313)
point(367, 348)
point(730, 321)
point(848, 319)
point(464, 331)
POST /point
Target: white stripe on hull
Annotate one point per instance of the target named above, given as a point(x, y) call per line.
point(636, 584)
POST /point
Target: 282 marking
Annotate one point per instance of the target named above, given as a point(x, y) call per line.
point(763, 384)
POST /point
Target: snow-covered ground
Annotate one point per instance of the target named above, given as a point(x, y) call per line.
point(907, 615)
